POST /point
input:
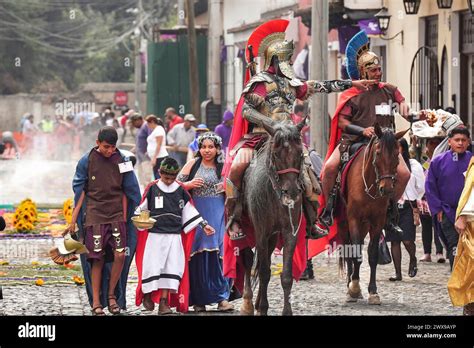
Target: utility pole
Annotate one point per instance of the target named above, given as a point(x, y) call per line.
point(193, 71)
point(138, 61)
point(319, 63)
point(214, 48)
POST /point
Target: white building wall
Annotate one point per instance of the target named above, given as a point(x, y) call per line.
point(237, 13)
point(399, 57)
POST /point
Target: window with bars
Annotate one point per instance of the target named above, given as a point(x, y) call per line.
point(431, 32)
point(467, 34)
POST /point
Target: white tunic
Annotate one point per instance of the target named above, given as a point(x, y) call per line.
point(163, 258)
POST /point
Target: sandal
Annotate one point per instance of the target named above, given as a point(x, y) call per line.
point(113, 308)
point(199, 309)
point(225, 306)
point(100, 313)
point(148, 302)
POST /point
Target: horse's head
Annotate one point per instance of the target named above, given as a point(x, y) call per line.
point(286, 154)
point(385, 159)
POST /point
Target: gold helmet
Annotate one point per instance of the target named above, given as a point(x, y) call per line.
point(366, 61)
point(359, 58)
point(278, 47)
point(268, 41)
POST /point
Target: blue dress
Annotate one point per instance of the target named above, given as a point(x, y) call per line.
point(207, 282)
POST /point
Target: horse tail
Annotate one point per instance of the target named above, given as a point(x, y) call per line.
point(254, 273)
point(342, 263)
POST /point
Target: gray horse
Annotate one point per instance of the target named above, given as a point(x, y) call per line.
point(273, 189)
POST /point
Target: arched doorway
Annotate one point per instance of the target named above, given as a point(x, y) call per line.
point(444, 79)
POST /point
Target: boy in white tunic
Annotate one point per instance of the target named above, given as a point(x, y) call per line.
point(161, 251)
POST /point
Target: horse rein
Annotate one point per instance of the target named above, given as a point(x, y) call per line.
point(275, 180)
point(378, 178)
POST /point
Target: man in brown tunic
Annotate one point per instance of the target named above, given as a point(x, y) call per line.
point(355, 117)
point(105, 229)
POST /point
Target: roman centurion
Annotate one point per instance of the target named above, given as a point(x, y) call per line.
point(270, 96)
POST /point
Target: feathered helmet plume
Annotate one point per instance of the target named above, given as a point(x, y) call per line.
point(358, 56)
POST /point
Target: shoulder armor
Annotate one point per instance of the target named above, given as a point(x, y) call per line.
point(296, 82)
point(260, 77)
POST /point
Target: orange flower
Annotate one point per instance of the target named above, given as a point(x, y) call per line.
point(39, 282)
point(78, 280)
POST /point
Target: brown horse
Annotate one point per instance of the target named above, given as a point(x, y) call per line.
point(273, 187)
point(371, 182)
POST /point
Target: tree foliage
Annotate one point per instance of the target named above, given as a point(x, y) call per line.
point(54, 45)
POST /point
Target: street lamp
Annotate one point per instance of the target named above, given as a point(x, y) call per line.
point(411, 6)
point(445, 4)
point(383, 19)
point(470, 3)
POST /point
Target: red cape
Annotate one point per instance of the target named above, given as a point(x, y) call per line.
point(180, 300)
point(239, 129)
point(233, 261)
point(317, 246)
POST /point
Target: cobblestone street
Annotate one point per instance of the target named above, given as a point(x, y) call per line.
point(426, 294)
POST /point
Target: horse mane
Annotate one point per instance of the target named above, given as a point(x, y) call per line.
point(257, 176)
point(285, 133)
point(388, 141)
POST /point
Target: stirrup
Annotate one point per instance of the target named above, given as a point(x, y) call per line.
point(316, 231)
point(234, 235)
point(326, 218)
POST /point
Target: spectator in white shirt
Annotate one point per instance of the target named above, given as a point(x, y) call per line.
point(180, 137)
point(409, 216)
point(156, 143)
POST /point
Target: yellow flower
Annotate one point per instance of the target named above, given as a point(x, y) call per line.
point(20, 226)
point(39, 282)
point(29, 226)
point(78, 280)
point(4, 263)
point(35, 263)
point(67, 210)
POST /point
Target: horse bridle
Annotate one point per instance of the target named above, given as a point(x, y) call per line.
point(275, 180)
point(378, 178)
point(275, 176)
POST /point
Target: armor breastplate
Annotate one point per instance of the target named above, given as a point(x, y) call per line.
point(279, 99)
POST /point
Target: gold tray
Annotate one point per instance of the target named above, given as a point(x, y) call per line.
point(143, 225)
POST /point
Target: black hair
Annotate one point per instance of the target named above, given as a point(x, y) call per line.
point(169, 166)
point(405, 153)
point(108, 134)
point(299, 108)
point(218, 160)
point(451, 110)
point(135, 117)
point(459, 130)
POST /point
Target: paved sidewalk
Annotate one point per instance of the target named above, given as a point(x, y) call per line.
point(426, 294)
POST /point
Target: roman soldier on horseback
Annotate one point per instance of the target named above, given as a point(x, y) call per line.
point(353, 122)
point(269, 96)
